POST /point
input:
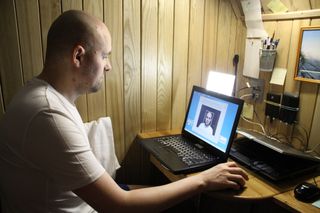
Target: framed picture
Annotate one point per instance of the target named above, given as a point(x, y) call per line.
point(308, 55)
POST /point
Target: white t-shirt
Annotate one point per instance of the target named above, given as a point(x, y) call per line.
point(205, 129)
point(44, 153)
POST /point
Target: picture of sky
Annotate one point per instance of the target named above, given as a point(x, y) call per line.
point(311, 44)
point(309, 59)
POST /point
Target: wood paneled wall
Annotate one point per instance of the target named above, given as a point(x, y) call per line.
point(161, 48)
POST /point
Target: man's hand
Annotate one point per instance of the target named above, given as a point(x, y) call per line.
point(223, 176)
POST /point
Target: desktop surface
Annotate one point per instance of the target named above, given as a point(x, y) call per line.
point(256, 188)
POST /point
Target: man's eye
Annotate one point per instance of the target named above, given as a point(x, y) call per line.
point(106, 56)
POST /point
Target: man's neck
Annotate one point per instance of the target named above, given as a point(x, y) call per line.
point(59, 84)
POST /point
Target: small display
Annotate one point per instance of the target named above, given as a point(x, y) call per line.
point(211, 119)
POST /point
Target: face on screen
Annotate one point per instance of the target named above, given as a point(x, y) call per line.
point(208, 118)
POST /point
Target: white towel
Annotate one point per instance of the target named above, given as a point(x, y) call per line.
point(100, 136)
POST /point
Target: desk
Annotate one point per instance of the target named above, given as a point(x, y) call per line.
point(288, 200)
point(256, 187)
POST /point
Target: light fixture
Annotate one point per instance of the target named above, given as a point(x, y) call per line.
point(220, 82)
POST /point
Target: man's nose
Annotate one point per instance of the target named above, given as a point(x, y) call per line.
point(108, 66)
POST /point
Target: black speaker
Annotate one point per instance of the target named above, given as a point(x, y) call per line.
point(289, 108)
point(273, 105)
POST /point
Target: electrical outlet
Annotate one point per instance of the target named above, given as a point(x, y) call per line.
point(257, 86)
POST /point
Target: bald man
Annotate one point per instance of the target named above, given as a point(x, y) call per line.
point(45, 158)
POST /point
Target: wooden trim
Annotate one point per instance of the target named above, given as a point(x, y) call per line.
point(303, 14)
point(292, 15)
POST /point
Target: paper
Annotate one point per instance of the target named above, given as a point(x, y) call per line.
point(278, 76)
point(252, 59)
point(247, 111)
point(252, 13)
point(316, 203)
point(276, 6)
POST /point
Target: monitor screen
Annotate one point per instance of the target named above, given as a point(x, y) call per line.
point(211, 117)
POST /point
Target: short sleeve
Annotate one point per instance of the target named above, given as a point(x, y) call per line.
point(57, 146)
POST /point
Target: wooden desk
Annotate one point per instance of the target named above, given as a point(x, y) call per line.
point(288, 200)
point(256, 188)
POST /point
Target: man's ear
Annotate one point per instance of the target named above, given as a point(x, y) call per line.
point(77, 56)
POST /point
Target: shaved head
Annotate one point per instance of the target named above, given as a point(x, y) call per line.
point(71, 28)
point(78, 49)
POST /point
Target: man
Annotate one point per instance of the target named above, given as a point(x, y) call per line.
point(205, 126)
point(45, 158)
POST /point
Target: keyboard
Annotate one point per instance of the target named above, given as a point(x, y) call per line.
point(187, 152)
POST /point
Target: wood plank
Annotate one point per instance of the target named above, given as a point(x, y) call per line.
point(132, 66)
point(49, 11)
point(180, 62)
point(315, 127)
point(283, 33)
point(149, 55)
point(315, 4)
point(10, 59)
point(223, 37)
point(291, 85)
point(165, 46)
point(232, 43)
point(292, 15)
point(94, 7)
point(240, 50)
point(96, 101)
point(71, 5)
point(195, 45)
point(30, 38)
point(308, 96)
point(114, 78)
point(2, 111)
point(132, 79)
point(210, 39)
point(81, 102)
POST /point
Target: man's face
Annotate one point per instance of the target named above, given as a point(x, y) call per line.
point(98, 62)
point(208, 118)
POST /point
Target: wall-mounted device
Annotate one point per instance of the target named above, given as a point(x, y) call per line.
point(283, 107)
point(273, 105)
point(289, 108)
point(257, 86)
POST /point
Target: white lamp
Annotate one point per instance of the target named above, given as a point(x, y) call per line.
point(220, 82)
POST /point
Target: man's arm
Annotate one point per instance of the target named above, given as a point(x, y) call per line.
point(105, 195)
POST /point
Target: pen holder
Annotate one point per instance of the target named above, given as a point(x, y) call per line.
point(267, 59)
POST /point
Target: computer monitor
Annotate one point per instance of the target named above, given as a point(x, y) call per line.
point(212, 118)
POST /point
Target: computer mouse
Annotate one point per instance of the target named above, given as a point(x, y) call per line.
point(306, 192)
